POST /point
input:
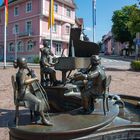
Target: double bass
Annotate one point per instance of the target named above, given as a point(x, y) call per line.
point(37, 89)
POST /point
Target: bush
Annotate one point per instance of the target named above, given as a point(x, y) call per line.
point(135, 65)
point(36, 59)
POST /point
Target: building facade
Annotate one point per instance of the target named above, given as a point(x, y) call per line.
point(28, 26)
point(110, 46)
point(107, 46)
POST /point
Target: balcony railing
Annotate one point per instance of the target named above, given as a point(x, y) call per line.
point(62, 38)
point(60, 17)
point(25, 34)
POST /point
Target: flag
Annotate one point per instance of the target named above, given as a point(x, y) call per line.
point(51, 14)
point(6, 11)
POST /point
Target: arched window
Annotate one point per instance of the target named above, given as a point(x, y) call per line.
point(30, 45)
point(11, 47)
point(20, 46)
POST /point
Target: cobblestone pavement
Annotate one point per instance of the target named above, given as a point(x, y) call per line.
point(123, 82)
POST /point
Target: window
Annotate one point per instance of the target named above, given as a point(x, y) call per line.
point(54, 28)
point(11, 47)
point(67, 29)
point(30, 45)
point(58, 49)
point(16, 29)
point(56, 8)
point(29, 7)
point(68, 12)
point(28, 26)
point(20, 46)
point(16, 11)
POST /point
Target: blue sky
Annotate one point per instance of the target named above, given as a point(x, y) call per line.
point(104, 12)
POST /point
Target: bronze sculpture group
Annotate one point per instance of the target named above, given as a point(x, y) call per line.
point(88, 80)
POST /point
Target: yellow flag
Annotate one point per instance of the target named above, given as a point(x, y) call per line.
point(51, 14)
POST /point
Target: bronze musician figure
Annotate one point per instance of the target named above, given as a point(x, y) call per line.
point(25, 92)
point(90, 83)
point(45, 65)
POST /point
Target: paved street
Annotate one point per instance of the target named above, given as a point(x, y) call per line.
point(115, 63)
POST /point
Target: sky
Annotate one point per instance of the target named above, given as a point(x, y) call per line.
point(104, 13)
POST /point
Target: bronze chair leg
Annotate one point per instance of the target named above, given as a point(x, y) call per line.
point(31, 115)
point(104, 104)
point(107, 99)
point(107, 104)
point(17, 115)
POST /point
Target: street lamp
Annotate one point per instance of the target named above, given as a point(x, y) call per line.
point(137, 42)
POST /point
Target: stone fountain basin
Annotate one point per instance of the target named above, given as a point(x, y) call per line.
point(119, 123)
point(67, 125)
point(125, 126)
point(131, 112)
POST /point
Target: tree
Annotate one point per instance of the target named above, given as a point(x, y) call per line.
point(134, 22)
point(100, 45)
point(122, 24)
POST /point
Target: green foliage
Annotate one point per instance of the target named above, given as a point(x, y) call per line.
point(100, 45)
point(134, 22)
point(124, 22)
point(36, 59)
point(135, 65)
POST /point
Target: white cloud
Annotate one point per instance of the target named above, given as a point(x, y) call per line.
point(88, 28)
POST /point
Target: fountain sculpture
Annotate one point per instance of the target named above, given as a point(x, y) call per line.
point(74, 116)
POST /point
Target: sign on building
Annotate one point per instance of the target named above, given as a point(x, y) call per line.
point(138, 42)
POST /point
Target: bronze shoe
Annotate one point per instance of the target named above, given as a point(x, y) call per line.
point(46, 122)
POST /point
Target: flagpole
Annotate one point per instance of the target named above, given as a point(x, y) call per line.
point(5, 40)
point(51, 25)
point(94, 17)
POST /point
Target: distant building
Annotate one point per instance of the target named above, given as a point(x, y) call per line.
point(28, 26)
point(79, 23)
point(110, 46)
point(107, 46)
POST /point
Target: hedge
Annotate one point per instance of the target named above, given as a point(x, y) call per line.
point(36, 59)
point(135, 65)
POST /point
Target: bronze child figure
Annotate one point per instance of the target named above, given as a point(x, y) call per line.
point(45, 65)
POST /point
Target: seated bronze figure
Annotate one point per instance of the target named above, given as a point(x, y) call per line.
point(90, 83)
point(46, 70)
point(27, 93)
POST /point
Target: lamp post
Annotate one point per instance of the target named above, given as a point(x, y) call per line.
point(137, 45)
